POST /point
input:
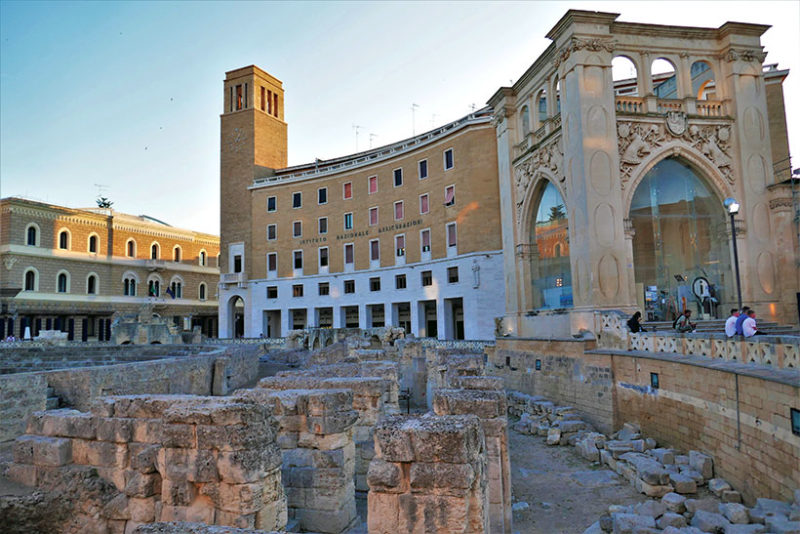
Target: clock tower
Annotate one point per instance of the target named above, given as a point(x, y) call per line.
point(253, 141)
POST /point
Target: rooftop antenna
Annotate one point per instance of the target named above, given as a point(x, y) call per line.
point(413, 119)
point(472, 107)
point(356, 128)
point(371, 137)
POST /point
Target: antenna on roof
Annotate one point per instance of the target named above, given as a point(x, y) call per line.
point(371, 137)
point(356, 128)
point(472, 107)
point(413, 119)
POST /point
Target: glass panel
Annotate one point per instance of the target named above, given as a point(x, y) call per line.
point(550, 268)
point(681, 244)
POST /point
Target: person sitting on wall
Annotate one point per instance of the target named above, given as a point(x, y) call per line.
point(683, 324)
point(634, 324)
point(730, 324)
point(740, 320)
point(749, 325)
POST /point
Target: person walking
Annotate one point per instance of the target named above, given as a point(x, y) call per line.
point(730, 324)
point(634, 324)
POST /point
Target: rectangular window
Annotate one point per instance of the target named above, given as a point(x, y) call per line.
point(373, 184)
point(272, 292)
point(298, 259)
point(347, 191)
point(322, 195)
point(449, 195)
point(297, 229)
point(375, 284)
point(398, 210)
point(400, 245)
point(272, 232)
point(448, 159)
point(272, 262)
point(425, 240)
point(451, 234)
point(424, 207)
point(426, 277)
point(324, 289)
point(231, 98)
point(348, 254)
point(400, 281)
point(238, 97)
point(373, 216)
point(452, 275)
point(269, 102)
point(297, 200)
point(272, 204)
point(297, 290)
point(374, 250)
point(323, 257)
point(275, 104)
point(237, 264)
point(398, 177)
point(349, 286)
point(263, 100)
point(348, 221)
point(323, 225)
point(423, 169)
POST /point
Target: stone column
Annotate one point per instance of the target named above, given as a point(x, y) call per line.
point(428, 475)
point(490, 406)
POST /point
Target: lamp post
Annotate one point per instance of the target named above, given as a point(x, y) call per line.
point(732, 208)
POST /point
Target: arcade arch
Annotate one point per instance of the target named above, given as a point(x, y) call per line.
point(236, 316)
point(550, 271)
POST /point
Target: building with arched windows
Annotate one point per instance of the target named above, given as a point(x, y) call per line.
point(72, 269)
point(575, 190)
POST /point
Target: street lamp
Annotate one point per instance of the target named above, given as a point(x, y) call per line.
point(732, 208)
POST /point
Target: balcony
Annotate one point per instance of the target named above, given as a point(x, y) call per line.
point(228, 279)
point(638, 105)
point(155, 265)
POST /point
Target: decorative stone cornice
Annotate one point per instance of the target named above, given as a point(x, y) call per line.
point(744, 55)
point(575, 44)
point(781, 204)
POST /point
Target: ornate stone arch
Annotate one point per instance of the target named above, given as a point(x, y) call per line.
point(706, 169)
point(534, 187)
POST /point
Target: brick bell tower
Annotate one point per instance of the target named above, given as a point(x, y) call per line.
point(253, 140)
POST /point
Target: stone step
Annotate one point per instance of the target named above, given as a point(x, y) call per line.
point(52, 403)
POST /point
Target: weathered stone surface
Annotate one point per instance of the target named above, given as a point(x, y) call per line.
point(682, 483)
point(654, 509)
point(702, 463)
point(753, 528)
point(718, 485)
point(710, 522)
point(630, 523)
point(731, 496)
point(674, 502)
point(665, 456)
point(735, 513)
point(671, 519)
point(779, 524)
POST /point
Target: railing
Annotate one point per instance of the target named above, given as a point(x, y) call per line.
point(630, 104)
point(710, 108)
point(232, 278)
point(154, 265)
point(663, 106)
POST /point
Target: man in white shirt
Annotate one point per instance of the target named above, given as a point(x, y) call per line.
point(749, 325)
point(730, 324)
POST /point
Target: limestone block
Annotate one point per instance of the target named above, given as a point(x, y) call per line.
point(674, 502)
point(629, 523)
point(709, 522)
point(52, 451)
point(179, 436)
point(735, 513)
point(486, 404)
point(239, 467)
point(691, 473)
point(571, 426)
point(553, 436)
point(142, 510)
point(382, 513)
point(324, 442)
point(449, 439)
point(142, 485)
point(682, 483)
point(271, 516)
point(654, 509)
point(665, 456)
point(114, 475)
point(332, 423)
point(648, 469)
point(391, 442)
point(99, 453)
point(147, 430)
point(234, 437)
point(117, 508)
point(432, 513)
point(102, 407)
point(718, 485)
point(143, 456)
point(242, 499)
point(780, 525)
point(629, 431)
point(441, 478)
point(702, 463)
point(233, 519)
point(23, 449)
point(333, 521)
point(754, 528)
point(188, 464)
point(671, 519)
point(22, 473)
point(731, 496)
point(67, 423)
point(177, 493)
point(114, 429)
point(652, 490)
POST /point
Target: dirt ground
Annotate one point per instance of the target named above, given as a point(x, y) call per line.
point(564, 492)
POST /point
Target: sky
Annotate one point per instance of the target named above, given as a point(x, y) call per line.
point(122, 99)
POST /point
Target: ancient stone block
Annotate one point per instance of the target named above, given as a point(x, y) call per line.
point(177, 493)
point(629, 523)
point(22, 473)
point(239, 467)
point(117, 508)
point(52, 451)
point(735, 513)
point(143, 456)
point(441, 478)
point(142, 485)
point(179, 436)
point(67, 423)
point(709, 522)
point(114, 429)
point(682, 483)
point(23, 449)
point(717, 486)
point(142, 510)
point(671, 519)
point(234, 437)
point(674, 502)
point(702, 463)
point(238, 498)
point(147, 430)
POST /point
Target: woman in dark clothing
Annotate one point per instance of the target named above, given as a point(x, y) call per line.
point(634, 324)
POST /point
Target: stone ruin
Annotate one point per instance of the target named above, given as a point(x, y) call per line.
point(149, 328)
point(291, 454)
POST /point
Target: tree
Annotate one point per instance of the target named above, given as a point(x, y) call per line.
point(557, 212)
point(103, 202)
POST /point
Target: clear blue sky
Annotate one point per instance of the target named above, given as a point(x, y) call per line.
point(128, 94)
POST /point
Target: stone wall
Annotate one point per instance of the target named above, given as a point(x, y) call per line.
point(22, 394)
point(170, 457)
point(566, 374)
point(428, 475)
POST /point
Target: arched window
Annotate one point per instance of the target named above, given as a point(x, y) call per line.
point(541, 107)
point(93, 244)
point(32, 235)
point(154, 252)
point(31, 279)
point(680, 237)
point(526, 120)
point(63, 240)
point(703, 86)
point(550, 268)
point(62, 282)
point(129, 286)
point(130, 248)
point(91, 285)
point(665, 83)
point(154, 287)
point(176, 288)
point(176, 254)
point(202, 292)
point(623, 71)
point(202, 258)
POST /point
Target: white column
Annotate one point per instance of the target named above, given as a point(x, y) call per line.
point(311, 318)
point(338, 317)
point(440, 319)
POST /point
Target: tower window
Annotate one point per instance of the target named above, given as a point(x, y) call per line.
point(425, 240)
point(202, 292)
point(448, 159)
point(154, 251)
point(176, 254)
point(239, 97)
point(91, 285)
point(398, 210)
point(237, 263)
point(62, 283)
point(398, 177)
point(451, 234)
point(297, 200)
point(30, 281)
point(63, 240)
point(275, 104)
point(263, 100)
point(323, 257)
point(32, 236)
point(400, 245)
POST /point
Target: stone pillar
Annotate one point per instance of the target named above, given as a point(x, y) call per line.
point(428, 475)
point(490, 406)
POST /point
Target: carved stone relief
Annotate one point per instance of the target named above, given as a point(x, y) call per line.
point(592, 45)
point(549, 158)
point(744, 55)
point(638, 139)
